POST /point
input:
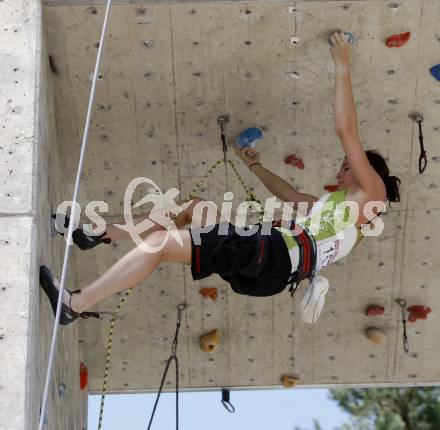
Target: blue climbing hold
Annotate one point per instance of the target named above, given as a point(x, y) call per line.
point(249, 137)
point(435, 71)
point(350, 36)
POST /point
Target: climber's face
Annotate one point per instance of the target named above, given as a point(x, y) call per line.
point(345, 176)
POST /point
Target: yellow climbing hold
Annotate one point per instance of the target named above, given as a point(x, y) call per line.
point(376, 335)
point(289, 380)
point(210, 341)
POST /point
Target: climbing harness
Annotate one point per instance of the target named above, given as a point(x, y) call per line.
point(226, 402)
point(73, 214)
point(173, 356)
point(402, 304)
point(307, 256)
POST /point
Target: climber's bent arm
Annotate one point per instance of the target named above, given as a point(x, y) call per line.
point(280, 188)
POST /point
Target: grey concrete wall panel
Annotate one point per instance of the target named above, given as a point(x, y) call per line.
point(168, 71)
point(31, 183)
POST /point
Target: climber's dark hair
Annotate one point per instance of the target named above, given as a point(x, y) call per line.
point(392, 183)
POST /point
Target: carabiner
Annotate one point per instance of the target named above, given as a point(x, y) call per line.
point(423, 162)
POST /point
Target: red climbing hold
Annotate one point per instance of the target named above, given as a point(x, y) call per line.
point(418, 312)
point(374, 310)
point(295, 161)
point(83, 376)
point(209, 293)
point(398, 40)
point(331, 188)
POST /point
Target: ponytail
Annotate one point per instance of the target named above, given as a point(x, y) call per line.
point(392, 183)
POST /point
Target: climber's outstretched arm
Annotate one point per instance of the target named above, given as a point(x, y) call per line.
point(345, 118)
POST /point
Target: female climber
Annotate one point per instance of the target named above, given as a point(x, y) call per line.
point(257, 264)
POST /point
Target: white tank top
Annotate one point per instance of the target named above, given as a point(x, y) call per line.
point(327, 222)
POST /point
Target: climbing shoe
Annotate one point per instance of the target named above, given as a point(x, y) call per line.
point(249, 138)
point(50, 286)
point(80, 238)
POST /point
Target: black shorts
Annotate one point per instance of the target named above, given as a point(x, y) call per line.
point(234, 257)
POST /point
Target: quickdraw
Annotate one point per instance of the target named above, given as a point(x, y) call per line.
point(402, 304)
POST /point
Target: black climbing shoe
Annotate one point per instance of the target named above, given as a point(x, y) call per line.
point(81, 239)
point(48, 284)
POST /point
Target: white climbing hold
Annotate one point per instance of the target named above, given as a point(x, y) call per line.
point(292, 75)
point(294, 40)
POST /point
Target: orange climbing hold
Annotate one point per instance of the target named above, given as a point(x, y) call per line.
point(331, 188)
point(295, 161)
point(418, 312)
point(83, 376)
point(209, 293)
point(398, 40)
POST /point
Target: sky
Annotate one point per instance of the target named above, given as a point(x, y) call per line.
point(256, 410)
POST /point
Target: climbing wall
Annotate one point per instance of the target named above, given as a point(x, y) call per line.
point(169, 71)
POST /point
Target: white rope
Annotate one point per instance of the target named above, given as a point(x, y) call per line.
point(72, 217)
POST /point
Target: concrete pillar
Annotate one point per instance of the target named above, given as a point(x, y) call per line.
point(31, 185)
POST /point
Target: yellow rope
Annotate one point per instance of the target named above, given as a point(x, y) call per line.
point(249, 194)
point(108, 355)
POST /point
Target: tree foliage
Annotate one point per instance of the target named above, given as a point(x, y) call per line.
point(390, 408)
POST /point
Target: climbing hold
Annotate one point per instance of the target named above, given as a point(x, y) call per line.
point(249, 137)
point(209, 342)
point(83, 376)
point(398, 40)
point(148, 44)
point(376, 335)
point(418, 312)
point(435, 71)
point(62, 389)
point(295, 161)
point(289, 380)
point(374, 310)
point(294, 40)
point(331, 188)
point(351, 38)
point(209, 293)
